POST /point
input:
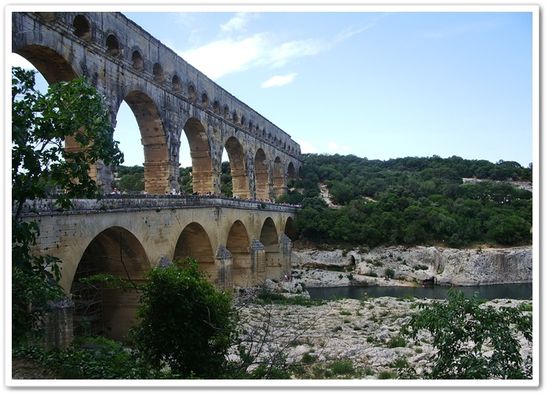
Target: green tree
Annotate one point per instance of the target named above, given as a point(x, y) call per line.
point(40, 165)
point(185, 322)
point(463, 329)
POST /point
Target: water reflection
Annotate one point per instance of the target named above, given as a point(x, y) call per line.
point(519, 291)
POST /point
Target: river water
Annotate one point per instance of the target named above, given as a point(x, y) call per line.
point(519, 291)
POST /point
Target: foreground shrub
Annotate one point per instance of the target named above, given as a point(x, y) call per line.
point(95, 358)
point(186, 324)
point(463, 331)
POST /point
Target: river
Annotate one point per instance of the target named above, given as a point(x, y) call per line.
point(518, 291)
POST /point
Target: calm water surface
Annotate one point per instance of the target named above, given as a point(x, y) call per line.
point(519, 291)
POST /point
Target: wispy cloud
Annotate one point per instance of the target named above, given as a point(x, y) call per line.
point(278, 81)
point(233, 52)
point(225, 56)
point(237, 23)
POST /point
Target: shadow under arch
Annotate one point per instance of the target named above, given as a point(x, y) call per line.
point(238, 243)
point(100, 310)
point(153, 138)
point(290, 229)
point(261, 176)
point(269, 239)
point(194, 242)
point(200, 156)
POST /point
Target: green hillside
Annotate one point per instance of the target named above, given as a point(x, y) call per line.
point(412, 201)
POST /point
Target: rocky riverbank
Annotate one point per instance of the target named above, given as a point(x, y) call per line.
point(345, 338)
point(405, 266)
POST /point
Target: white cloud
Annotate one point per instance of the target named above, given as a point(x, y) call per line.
point(226, 56)
point(306, 147)
point(278, 81)
point(285, 52)
point(232, 53)
point(237, 23)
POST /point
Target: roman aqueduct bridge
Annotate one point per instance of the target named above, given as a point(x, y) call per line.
point(237, 241)
point(170, 99)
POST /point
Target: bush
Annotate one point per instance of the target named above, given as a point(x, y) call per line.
point(185, 322)
point(462, 330)
point(342, 367)
point(396, 342)
point(390, 273)
point(95, 358)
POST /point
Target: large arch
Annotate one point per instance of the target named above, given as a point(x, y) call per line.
point(238, 243)
point(195, 243)
point(99, 310)
point(55, 68)
point(153, 138)
point(261, 176)
point(269, 240)
point(200, 156)
point(279, 184)
point(235, 151)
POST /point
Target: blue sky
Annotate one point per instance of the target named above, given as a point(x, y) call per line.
point(377, 85)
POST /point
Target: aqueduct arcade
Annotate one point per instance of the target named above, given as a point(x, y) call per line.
point(236, 243)
point(170, 99)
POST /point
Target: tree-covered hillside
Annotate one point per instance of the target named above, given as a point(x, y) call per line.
point(412, 201)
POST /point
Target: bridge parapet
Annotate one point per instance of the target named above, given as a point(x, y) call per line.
point(145, 203)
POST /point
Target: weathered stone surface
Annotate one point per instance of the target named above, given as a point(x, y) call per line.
point(464, 267)
point(344, 329)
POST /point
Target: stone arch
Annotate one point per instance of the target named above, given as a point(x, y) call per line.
point(154, 141)
point(204, 100)
point(118, 252)
point(113, 45)
point(194, 242)
point(137, 60)
point(278, 178)
point(290, 229)
point(291, 171)
point(237, 159)
point(81, 27)
point(261, 173)
point(191, 91)
point(158, 72)
point(176, 84)
point(200, 156)
point(238, 243)
point(269, 240)
point(55, 68)
point(48, 62)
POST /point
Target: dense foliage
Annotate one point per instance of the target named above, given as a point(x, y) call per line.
point(412, 201)
point(463, 329)
point(186, 323)
point(40, 165)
